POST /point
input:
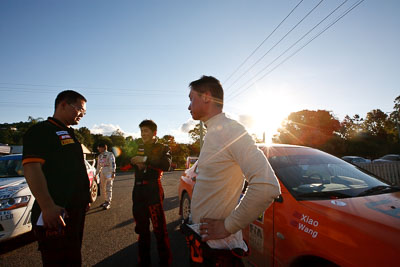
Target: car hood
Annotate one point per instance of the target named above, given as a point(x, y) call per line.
point(10, 186)
point(377, 211)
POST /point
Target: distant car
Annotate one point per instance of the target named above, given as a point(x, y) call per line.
point(16, 199)
point(330, 213)
point(190, 161)
point(356, 159)
point(388, 158)
point(94, 180)
point(185, 190)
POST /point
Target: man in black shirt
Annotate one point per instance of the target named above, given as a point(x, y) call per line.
point(151, 160)
point(55, 170)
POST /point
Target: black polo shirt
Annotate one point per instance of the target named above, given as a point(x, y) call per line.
point(55, 146)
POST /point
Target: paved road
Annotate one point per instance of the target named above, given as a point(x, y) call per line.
point(109, 238)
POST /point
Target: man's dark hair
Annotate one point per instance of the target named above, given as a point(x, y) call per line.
point(211, 84)
point(102, 144)
point(149, 124)
point(69, 96)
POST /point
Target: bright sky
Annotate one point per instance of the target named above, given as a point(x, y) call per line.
point(134, 60)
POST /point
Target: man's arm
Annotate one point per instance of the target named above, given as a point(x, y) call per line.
point(112, 164)
point(162, 159)
point(263, 188)
point(51, 213)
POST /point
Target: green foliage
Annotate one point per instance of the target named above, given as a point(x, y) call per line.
point(12, 133)
point(195, 133)
point(372, 137)
point(308, 127)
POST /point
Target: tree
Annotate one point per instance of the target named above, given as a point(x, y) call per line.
point(350, 127)
point(117, 138)
point(195, 133)
point(395, 115)
point(308, 127)
point(168, 140)
point(375, 122)
point(194, 148)
point(84, 136)
point(98, 138)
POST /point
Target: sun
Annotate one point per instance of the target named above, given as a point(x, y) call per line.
point(267, 111)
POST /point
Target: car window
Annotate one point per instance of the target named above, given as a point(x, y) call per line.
point(11, 168)
point(308, 173)
point(391, 157)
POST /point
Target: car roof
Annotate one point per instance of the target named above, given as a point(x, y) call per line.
point(12, 156)
point(280, 145)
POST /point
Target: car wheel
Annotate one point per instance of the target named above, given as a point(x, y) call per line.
point(185, 206)
point(93, 191)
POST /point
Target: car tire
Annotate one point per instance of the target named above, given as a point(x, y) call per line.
point(185, 206)
point(94, 192)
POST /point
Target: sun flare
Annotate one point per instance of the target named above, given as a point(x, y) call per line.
point(267, 111)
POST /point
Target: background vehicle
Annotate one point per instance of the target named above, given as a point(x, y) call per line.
point(94, 179)
point(187, 181)
point(330, 213)
point(190, 161)
point(388, 158)
point(16, 199)
point(356, 159)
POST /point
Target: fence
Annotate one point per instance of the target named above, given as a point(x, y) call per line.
point(389, 171)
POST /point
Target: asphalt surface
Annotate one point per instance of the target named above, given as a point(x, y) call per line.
point(109, 237)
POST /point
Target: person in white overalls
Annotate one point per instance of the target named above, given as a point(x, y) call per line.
point(106, 171)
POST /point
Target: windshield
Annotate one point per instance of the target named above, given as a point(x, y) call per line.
point(11, 167)
point(312, 174)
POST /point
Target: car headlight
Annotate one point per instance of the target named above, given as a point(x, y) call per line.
point(14, 202)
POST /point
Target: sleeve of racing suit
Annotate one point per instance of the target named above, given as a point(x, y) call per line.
point(112, 162)
point(160, 158)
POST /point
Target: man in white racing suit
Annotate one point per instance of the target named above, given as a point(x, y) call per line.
point(106, 171)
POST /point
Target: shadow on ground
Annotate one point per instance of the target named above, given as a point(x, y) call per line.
point(128, 255)
point(17, 242)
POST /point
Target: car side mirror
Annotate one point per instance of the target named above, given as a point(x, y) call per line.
point(279, 199)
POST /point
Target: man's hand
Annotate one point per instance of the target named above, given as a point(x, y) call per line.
point(211, 229)
point(138, 161)
point(52, 217)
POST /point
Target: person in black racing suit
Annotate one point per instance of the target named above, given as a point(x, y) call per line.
point(151, 160)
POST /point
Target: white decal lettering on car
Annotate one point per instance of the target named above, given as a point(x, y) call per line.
point(308, 220)
point(307, 230)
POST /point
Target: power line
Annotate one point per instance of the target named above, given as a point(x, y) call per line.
point(301, 38)
point(230, 76)
point(287, 58)
point(114, 107)
point(83, 87)
point(135, 93)
point(252, 66)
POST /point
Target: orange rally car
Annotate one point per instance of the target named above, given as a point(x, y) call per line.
point(329, 213)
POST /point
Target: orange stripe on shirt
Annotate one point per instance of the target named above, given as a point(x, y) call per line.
point(33, 160)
